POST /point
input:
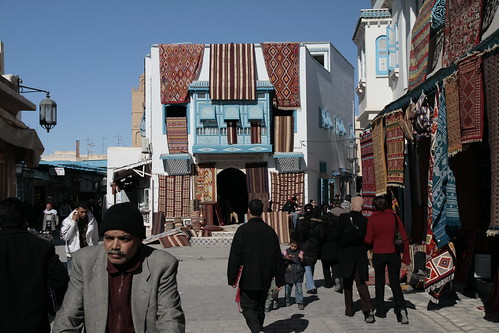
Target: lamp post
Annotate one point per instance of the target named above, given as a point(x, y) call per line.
point(48, 108)
point(352, 158)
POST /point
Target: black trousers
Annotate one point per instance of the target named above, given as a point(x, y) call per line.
point(365, 297)
point(392, 261)
point(330, 271)
point(253, 306)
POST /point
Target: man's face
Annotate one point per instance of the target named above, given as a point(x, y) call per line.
point(48, 207)
point(313, 203)
point(82, 212)
point(120, 246)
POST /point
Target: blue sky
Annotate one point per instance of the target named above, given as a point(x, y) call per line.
point(89, 54)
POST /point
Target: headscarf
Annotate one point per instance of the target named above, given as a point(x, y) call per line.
point(357, 203)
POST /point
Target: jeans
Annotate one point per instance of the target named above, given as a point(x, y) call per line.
point(298, 292)
point(309, 277)
point(69, 265)
point(294, 219)
point(253, 306)
point(392, 261)
point(272, 296)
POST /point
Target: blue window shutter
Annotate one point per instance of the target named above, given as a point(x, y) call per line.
point(381, 56)
point(392, 46)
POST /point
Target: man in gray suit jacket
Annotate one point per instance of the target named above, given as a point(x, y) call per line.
point(123, 286)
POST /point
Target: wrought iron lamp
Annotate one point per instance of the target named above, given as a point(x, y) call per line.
point(48, 108)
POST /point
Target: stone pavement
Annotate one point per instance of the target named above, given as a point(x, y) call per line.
point(209, 306)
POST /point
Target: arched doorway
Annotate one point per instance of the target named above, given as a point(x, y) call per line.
point(232, 193)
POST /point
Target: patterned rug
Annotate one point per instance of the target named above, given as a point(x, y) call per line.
point(232, 72)
point(421, 118)
point(368, 175)
point(444, 198)
point(490, 75)
point(206, 183)
point(283, 133)
point(176, 135)
point(279, 222)
point(420, 42)
point(174, 195)
point(451, 85)
point(437, 16)
point(285, 186)
point(463, 19)
point(395, 149)
point(471, 99)
point(179, 65)
point(379, 155)
point(283, 66)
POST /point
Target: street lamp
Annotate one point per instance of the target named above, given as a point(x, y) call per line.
point(48, 108)
point(352, 158)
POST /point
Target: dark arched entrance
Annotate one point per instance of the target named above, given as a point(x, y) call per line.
point(232, 193)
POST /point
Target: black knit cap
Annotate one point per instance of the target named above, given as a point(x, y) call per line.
point(126, 217)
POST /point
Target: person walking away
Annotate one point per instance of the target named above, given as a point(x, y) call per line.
point(337, 209)
point(79, 230)
point(122, 285)
point(329, 252)
point(29, 265)
point(255, 246)
point(294, 272)
point(308, 233)
point(353, 262)
point(346, 204)
point(50, 219)
point(381, 227)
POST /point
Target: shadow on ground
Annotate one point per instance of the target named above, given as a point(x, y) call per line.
point(295, 323)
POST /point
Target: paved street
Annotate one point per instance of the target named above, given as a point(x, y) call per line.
point(209, 304)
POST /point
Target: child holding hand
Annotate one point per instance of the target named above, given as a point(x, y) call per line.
point(295, 270)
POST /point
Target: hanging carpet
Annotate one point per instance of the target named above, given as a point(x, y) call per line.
point(282, 61)
point(395, 149)
point(206, 183)
point(463, 21)
point(490, 75)
point(379, 156)
point(471, 99)
point(451, 85)
point(174, 195)
point(368, 175)
point(179, 65)
point(176, 135)
point(279, 222)
point(283, 133)
point(232, 72)
point(257, 182)
point(420, 42)
point(285, 186)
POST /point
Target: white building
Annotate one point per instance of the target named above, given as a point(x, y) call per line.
point(205, 154)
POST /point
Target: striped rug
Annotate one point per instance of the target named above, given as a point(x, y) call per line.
point(279, 222)
point(232, 72)
point(368, 174)
point(283, 66)
point(285, 186)
point(283, 133)
point(395, 149)
point(451, 85)
point(179, 66)
point(176, 135)
point(379, 156)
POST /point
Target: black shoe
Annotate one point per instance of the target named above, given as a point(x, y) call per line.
point(312, 291)
point(402, 317)
point(301, 306)
point(288, 304)
point(380, 314)
point(369, 317)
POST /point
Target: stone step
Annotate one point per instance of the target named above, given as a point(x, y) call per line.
point(213, 240)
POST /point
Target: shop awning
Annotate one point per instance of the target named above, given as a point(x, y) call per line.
point(141, 168)
point(177, 164)
point(288, 162)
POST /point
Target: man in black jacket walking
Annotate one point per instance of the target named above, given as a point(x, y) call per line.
point(255, 247)
point(29, 265)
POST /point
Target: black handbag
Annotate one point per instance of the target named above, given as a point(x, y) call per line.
point(397, 237)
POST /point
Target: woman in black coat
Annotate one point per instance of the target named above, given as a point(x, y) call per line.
point(353, 261)
point(329, 252)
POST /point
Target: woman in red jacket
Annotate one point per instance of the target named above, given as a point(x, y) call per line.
point(380, 233)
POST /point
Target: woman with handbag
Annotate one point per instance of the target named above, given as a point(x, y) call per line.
point(382, 228)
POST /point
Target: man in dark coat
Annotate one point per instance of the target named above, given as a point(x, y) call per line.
point(353, 262)
point(255, 247)
point(329, 252)
point(29, 265)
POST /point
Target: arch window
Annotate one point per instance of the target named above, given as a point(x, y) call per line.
point(381, 56)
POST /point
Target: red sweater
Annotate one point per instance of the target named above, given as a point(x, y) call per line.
point(381, 231)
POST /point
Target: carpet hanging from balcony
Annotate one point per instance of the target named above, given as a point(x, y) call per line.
point(179, 65)
point(453, 118)
point(174, 197)
point(471, 104)
point(395, 149)
point(256, 132)
point(283, 133)
point(368, 175)
point(206, 183)
point(379, 156)
point(232, 72)
point(257, 182)
point(176, 135)
point(282, 61)
point(232, 132)
point(490, 75)
point(420, 45)
point(285, 186)
point(463, 23)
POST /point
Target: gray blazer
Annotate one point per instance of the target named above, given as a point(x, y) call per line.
point(155, 298)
